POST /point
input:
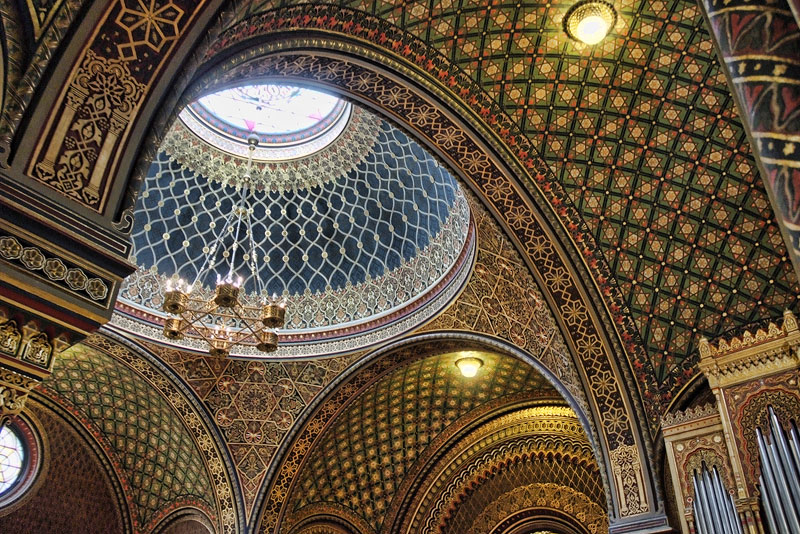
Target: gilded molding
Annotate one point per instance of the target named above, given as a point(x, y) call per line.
point(42, 264)
point(29, 344)
point(574, 503)
point(690, 415)
point(752, 355)
point(14, 390)
point(80, 147)
point(50, 22)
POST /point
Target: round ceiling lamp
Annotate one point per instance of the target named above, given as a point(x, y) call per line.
point(589, 21)
point(469, 366)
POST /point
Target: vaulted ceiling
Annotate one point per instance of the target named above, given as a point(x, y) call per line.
point(643, 134)
point(368, 453)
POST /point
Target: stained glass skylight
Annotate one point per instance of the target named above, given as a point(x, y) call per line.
point(282, 116)
point(12, 457)
point(270, 109)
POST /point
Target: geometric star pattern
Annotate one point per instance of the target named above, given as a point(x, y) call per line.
point(253, 403)
point(643, 134)
point(361, 460)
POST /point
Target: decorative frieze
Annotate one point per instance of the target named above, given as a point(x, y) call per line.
point(44, 265)
point(752, 355)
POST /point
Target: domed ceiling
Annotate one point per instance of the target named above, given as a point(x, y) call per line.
point(357, 227)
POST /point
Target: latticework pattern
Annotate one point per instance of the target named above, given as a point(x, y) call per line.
point(373, 239)
point(361, 460)
point(150, 444)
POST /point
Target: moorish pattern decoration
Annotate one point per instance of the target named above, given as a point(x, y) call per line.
point(501, 299)
point(104, 95)
point(622, 220)
point(277, 169)
point(377, 242)
point(644, 137)
point(429, 392)
point(614, 420)
point(32, 34)
point(145, 427)
point(255, 404)
point(465, 486)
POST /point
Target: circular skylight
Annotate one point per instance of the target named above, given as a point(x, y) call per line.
point(269, 109)
point(289, 121)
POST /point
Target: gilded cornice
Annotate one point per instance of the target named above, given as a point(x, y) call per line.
point(676, 422)
point(754, 354)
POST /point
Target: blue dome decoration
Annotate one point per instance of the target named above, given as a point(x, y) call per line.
point(372, 243)
point(359, 226)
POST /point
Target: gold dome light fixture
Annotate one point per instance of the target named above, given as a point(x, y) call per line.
point(589, 21)
point(221, 319)
point(469, 366)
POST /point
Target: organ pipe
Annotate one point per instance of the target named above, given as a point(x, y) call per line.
point(714, 511)
point(779, 453)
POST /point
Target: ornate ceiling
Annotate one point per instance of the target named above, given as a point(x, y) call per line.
point(154, 440)
point(256, 404)
point(643, 134)
point(642, 138)
point(367, 454)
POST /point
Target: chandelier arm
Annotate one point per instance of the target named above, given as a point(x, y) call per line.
point(259, 284)
point(235, 244)
point(217, 242)
point(192, 319)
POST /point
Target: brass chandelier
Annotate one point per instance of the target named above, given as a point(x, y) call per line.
point(222, 320)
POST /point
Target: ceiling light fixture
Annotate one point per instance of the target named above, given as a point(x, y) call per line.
point(469, 366)
point(589, 21)
point(221, 319)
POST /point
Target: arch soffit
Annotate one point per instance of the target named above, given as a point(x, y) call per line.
point(90, 438)
point(121, 360)
point(293, 453)
point(543, 431)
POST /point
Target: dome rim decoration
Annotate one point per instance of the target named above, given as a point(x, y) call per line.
point(324, 343)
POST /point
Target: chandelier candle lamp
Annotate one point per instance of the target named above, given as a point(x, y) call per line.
point(222, 320)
